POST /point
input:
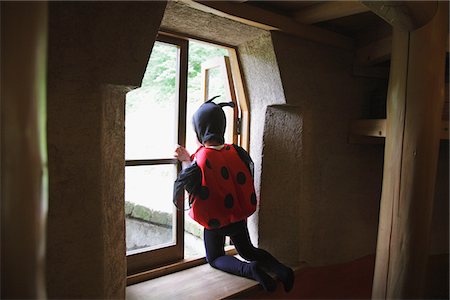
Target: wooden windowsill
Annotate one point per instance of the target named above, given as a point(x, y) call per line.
point(198, 282)
point(172, 268)
point(201, 282)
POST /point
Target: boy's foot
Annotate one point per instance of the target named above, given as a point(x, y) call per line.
point(285, 275)
point(267, 282)
point(287, 278)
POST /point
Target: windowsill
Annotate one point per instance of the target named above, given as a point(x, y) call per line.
point(175, 267)
point(198, 282)
point(201, 282)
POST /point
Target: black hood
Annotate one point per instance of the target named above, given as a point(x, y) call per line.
point(209, 121)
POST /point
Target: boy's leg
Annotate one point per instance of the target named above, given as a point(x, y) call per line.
point(215, 255)
point(214, 245)
point(245, 248)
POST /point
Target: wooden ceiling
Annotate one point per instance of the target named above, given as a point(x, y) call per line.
point(357, 25)
point(347, 19)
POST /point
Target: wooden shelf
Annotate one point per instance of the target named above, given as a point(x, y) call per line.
point(373, 131)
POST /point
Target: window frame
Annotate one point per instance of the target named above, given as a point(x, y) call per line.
point(155, 263)
point(223, 63)
point(153, 258)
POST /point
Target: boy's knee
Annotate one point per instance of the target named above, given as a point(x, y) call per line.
point(247, 253)
point(211, 262)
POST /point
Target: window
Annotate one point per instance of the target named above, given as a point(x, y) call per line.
point(158, 117)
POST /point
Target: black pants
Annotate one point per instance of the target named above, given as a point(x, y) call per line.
point(238, 232)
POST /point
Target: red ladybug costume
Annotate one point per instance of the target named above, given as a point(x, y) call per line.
point(226, 194)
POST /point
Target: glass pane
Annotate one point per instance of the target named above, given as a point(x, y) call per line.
point(216, 83)
point(151, 120)
point(198, 53)
point(149, 211)
point(193, 238)
point(229, 129)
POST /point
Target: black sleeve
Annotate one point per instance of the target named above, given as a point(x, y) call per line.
point(190, 179)
point(245, 158)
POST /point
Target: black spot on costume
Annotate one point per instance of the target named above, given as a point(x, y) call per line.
point(204, 193)
point(229, 201)
point(241, 178)
point(214, 223)
point(208, 164)
point(224, 172)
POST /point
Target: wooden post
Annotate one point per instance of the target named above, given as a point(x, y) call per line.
point(414, 113)
point(23, 149)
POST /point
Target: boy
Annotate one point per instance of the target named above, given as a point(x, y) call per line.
point(219, 180)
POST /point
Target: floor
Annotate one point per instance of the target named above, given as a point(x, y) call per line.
point(353, 280)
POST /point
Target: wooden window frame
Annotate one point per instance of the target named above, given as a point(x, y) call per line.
point(153, 258)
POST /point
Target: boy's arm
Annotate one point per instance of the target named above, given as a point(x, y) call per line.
point(183, 156)
point(189, 179)
point(245, 158)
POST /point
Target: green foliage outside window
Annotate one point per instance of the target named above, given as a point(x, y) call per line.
point(160, 72)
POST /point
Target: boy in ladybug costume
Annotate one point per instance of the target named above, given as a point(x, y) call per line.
point(219, 180)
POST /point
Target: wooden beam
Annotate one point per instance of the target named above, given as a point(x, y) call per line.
point(370, 127)
point(377, 128)
point(367, 131)
point(375, 52)
point(325, 11)
point(404, 15)
point(421, 12)
point(414, 113)
point(264, 19)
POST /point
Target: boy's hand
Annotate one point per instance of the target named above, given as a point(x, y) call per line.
point(182, 154)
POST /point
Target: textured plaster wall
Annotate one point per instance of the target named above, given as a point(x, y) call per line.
point(93, 48)
point(181, 18)
point(112, 185)
point(264, 88)
point(282, 182)
point(339, 184)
